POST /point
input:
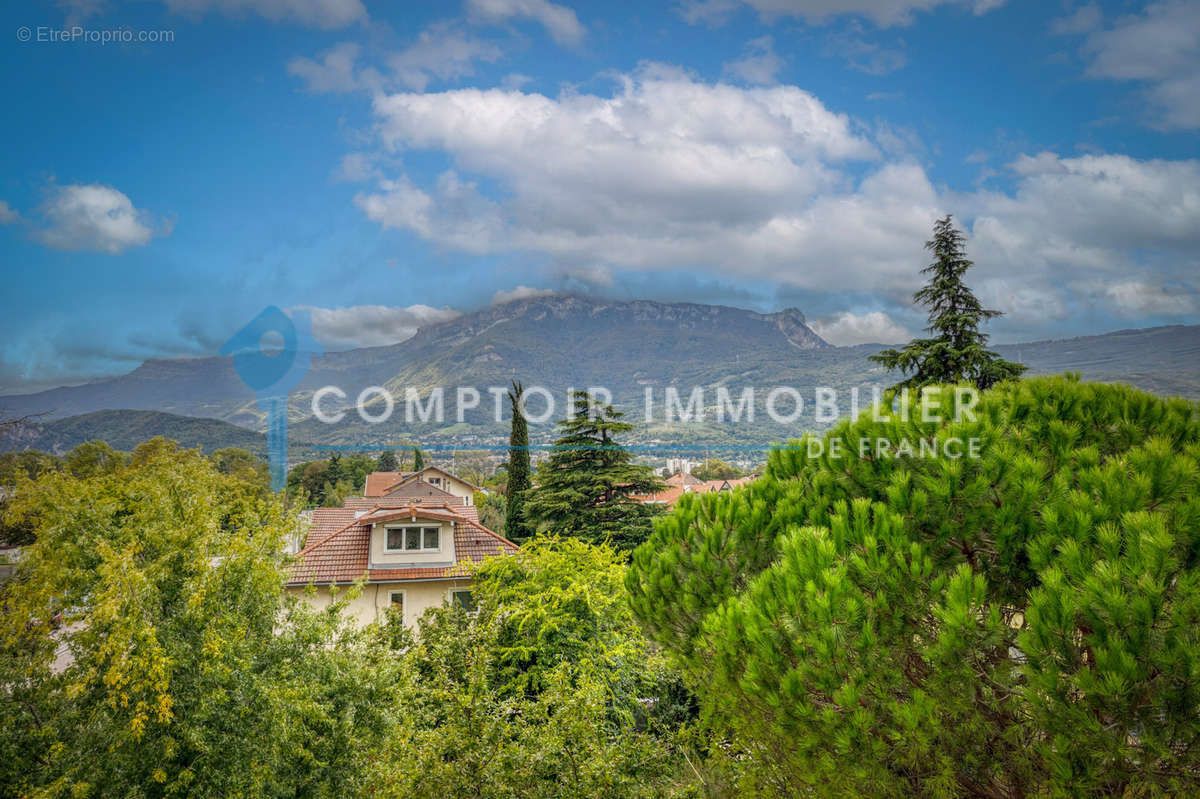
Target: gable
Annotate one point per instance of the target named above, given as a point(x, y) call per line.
point(338, 548)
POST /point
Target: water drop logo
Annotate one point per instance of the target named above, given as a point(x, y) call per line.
point(271, 355)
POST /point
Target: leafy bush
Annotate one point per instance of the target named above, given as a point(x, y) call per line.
point(147, 647)
point(550, 690)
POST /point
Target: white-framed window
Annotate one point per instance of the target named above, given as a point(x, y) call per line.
point(464, 599)
point(415, 538)
point(395, 604)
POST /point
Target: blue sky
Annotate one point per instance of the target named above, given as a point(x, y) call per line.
point(393, 164)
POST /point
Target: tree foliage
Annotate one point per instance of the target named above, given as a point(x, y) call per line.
point(243, 464)
point(516, 526)
point(327, 483)
point(716, 469)
point(1024, 623)
point(586, 488)
point(551, 690)
point(147, 647)
point(387, 462)
point(957, 350)
point(93, 458)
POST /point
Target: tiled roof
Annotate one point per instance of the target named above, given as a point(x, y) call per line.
point(338, 546)
point(675, 490)
point(419, 489)
point(377, 483)
point(407, 476)
point(681, 479)
point(668, 496)
point(367, 503)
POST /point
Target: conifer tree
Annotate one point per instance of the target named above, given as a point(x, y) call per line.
point(418, 459)
point(334, 471)
point(586, 488)
point(387, 462)
point(1021, 623)
point(516, 527)
point(957, 351)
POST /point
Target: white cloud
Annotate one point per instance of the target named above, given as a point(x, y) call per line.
point(846, 329)
point(441, 51)
point(454, 215)
point(861, 54)
point(1161, 47)
point(595, 275)
point(372, 325)
point(559, 21)
point(1085, 19)
point(1137, 298)
point(313, 13)
point(1093, 203)
point(503, 297)
point(355, 168)
point(667, 172)
point(80, 10)
point(881, 12)
point(767, 183)
point(1075, 227)
point(8, 215)
point(759, 64)
point(515, 80)
point(335, 72)
point(97, 218)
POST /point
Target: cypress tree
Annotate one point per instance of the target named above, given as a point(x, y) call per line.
point(586, 487)
point(418, 459)
point(957, 351)
point(516, 527)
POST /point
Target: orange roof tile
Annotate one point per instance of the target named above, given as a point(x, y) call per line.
point(338, 546)
point(407, 476)
point(668, 496)
point(377, 482)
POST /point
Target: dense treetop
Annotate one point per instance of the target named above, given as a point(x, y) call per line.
point(1022, 623)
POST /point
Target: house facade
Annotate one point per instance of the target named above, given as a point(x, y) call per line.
point(413, 539)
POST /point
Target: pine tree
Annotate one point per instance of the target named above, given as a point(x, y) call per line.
point(1021, 623)
point(516, 527)
point(388, 462)
point(418, 459)
point(956, 352)
point(586, 487)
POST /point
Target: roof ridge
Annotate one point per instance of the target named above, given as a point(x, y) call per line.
point(339, 531)
point(418, 474)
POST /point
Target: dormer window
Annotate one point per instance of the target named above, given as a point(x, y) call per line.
point(412, 539)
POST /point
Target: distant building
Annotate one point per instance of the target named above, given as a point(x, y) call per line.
point(679, 465)
point(682, 483)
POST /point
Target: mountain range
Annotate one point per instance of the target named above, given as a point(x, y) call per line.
point(559, 342)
